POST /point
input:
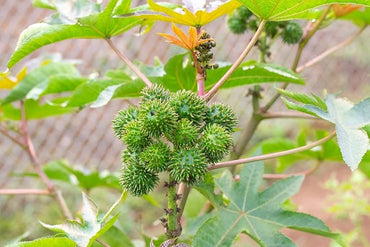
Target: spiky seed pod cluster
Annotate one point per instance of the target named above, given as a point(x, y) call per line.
point(185, 133)
point(137, 180)
point(243, 19)
point(188, 165)
point(156, 157)
point(215, 142)
point(122, 118)
point(188, 105)
point(154, 92)
point(222, 115)
point(156, 118)
point(171, 132)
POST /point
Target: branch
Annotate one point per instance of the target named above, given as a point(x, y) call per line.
point(6, 133)
point(330, 51)
point(236, 64)
point(129, 63)
point(34, 159)
point(184, 191)
point(24, 192)
point(115, 205)
point(271, 115)
point(272, 155)
point(302, 44)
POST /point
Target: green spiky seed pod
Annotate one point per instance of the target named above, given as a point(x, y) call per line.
point(243, 12)
point(188, 165)
point(292, 33)
point(134, 137)
point(253, 24)
point(215, 142)
point(185, 134)
point(189, 105)
point(157, 117)
point(156, 157)
point(271, 29)
point(122, 118)
point(137, 180)
point(156, 91)
point(237, 25)
point(223, 115)
point(130, 157)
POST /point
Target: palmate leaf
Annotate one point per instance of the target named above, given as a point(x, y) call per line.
point(258, 214)
point(280, 10)
point(193, 13)
point(93, 25)
point(86, 232)
point(37, 81)
point(347, 117)
point(180, 74)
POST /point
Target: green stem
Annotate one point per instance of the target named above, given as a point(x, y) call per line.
point(246, 136)
point(184, 191)
point(173, 225)
point(272, 155)
point(302, 44)
point(115, 205)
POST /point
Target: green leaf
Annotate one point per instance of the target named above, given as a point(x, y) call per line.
point(365, 164)
point(360, 17)
point(88, 25)
point(46, 4)
point(252, 72)
point(34, 110)
point(180, 74)
point(62, 171)
point(86, 232)
point(34, 83)
point(41, 242)
point(280, 10)
point(70, 13)
point(115, 237)
point(101, 91)
point(347, 117)
point(258, 214)
point(303, 98)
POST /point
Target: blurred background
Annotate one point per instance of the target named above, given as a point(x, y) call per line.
point(86, 140)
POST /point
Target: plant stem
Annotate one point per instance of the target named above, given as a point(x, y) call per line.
point(184, 191)
point(311, 30)
point(271, 115)
point(129, 63)
point(282, 176)
point(246, 136)
point(35, 161)
point(236, 64)
point(272, 155)
point(7, 134)
point(330, 51)
point(24, 192)
point(115, 205)
point(173, 225)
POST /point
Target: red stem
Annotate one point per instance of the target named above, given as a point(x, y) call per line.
point(24, 192)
